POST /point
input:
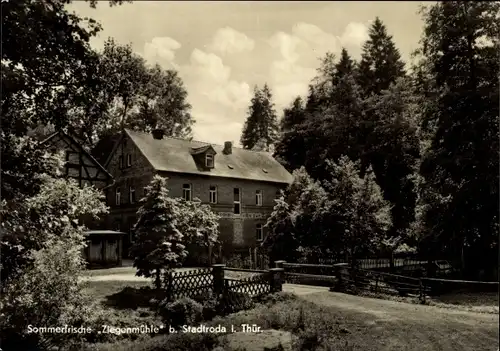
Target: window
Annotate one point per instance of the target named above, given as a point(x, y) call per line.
point(213, 194)
point(186, 192)
point(131, 195)
point(129, 160)
point(121, 161)
point(258, 197)
point(278, 194)
point(237, 201)
point(117, 225)
point(209, 161)
point(118, 197)
point(259, 232)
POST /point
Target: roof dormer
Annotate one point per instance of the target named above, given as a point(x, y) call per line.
point(204, 156)
point(209, 160)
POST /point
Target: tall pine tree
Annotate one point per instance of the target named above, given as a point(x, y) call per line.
point(381, 62)
point(261, 125)
point(459, 55)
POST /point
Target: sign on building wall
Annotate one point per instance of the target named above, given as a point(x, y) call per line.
point(250, 215)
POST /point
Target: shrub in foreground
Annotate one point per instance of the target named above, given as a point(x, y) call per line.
point(184, 311)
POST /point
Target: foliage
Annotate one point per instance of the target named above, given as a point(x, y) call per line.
point(164, 105)
point(48, 294)
point(292, 116)
point(381, 63)
point(43, 71)
point(239, 261)
point(165, 226)
point(394, 150)
point(293, 222)
point(199, 223)
point(160, 244)
point(182, 312)
point(261, 124)
point(23, 164)
point(233, 301)
point(457, 74)
point(356, 210)
point(132, 95)
point(54, 213)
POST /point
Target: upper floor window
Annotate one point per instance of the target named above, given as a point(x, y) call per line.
point(259, 232)
point(121, 161)
point(186, 192)
point(213, 194)
point(118, 197)
point(129, 160)
point(131, 194)
point(209, 160)
point(237, 201)
point(258, 197)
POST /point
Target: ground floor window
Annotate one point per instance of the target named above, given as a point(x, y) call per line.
point(259, 232)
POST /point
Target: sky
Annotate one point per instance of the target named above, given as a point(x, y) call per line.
point(222, 49)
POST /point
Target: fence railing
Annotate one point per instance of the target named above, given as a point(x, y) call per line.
point(212, 281)
point(308, 274)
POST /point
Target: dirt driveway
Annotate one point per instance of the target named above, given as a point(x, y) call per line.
point(402, 326)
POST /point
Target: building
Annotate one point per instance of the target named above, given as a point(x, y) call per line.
point(80, 164)
point(240, 185)
point(104, 247)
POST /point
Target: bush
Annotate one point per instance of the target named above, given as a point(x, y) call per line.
point(278, 297)
point(232, 302)
point(242, 261)
point(184, 311)
point(48, 294)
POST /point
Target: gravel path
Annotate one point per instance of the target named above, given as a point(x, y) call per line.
point(403, 326)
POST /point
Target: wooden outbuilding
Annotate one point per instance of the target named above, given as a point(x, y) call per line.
point(104, 248)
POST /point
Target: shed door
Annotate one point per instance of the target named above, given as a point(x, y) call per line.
point(112, 250)
point(96, 251)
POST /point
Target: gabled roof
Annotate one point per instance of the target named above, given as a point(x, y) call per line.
point(174, 155)
point(80, 147)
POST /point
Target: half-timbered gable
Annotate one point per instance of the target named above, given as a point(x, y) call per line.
point(80, 165)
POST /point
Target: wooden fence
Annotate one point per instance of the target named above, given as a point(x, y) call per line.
point(211, 281)
point(308, 274)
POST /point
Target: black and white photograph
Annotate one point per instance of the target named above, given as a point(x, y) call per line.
point(249, 175)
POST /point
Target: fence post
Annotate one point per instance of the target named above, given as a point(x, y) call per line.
point(340, 269)
point(170, 280)
point(276, 279)
point(422, 290)
point(391, 263)
point(218, 277)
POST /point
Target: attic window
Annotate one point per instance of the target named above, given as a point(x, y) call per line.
point(209, 161)
point(264, 170)
point(230, 166)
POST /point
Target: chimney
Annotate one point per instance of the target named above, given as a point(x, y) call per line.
point(158, 134)
point(228, 148)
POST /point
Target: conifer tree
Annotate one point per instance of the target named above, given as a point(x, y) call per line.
point(381, 62)
point(262, 121)
point(459, 55)
point(293, 115)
